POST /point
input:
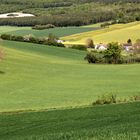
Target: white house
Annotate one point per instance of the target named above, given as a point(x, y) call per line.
point(127, 47)
point(59, 41)
point(101, 47)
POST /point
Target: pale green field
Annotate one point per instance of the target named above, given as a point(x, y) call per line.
point(115, 33)
point(42, 77)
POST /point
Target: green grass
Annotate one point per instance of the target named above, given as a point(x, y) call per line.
point(115, 33)
point(43, 77)
point(60, 32)
point(110, 122)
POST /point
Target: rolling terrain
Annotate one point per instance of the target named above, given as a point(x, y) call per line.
point(59, 32)
point(35, 77)
point(115, 33)
point(51, 92)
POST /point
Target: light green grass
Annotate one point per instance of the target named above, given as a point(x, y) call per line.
point(115, 33)
point(40, 77)
point(111, 122)
point(60, 32)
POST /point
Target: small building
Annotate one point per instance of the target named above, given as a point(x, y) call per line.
point(101, 47)
point(127, 47)
point(59, 41)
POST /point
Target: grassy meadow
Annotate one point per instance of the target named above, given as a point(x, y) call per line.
point(44, 77)
point(115, 33)
point(46, 92)
point(109, 122)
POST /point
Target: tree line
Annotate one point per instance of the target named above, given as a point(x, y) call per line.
point(71, 13)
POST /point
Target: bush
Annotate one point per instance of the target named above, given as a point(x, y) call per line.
point(112, 56)
point(12, 37)
point(17, 38)
point(42, 27)
point(31, 39)
point(131, 59)
point(112, 99)
point(135, 98)
point(79, 47)
point(105, 25)
point(94, 57)
point(105, 99)
point(54, 43)
point(6, 37)
point(113, 53)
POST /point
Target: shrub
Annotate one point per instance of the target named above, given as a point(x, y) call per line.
point(113, 56)
point(105, 25)
point(105, 99)
point(34, 40)
point(31, 39)
point(94, 57)
point(17, 38)
point(6, 37)
point(54, 43)
point(137, 98)
point(79, 47)
point(113, 53)
point(12, 37)
point(42, 27)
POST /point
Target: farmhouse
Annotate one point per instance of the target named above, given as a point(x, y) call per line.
point(101, 46)
point(127, 47)
point(59, 41)
point(136, 46)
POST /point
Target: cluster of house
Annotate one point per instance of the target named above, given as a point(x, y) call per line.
point(126, 46)
point(130, 47)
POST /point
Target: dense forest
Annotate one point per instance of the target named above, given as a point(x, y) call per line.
point(70, 13)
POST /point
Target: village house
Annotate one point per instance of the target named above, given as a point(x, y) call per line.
point(127, 46)
point(101, 47)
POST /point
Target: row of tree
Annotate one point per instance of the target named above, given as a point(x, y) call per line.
point(51, 40)
point(71, 13)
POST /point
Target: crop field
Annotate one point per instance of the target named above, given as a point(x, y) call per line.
point(110, 122)
point(59, 32)
point(115, 33)
point(43, 77)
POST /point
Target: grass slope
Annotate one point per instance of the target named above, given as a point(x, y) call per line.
point(60, 32)
point(118, 33)
point(38, 77)
point(111, 122)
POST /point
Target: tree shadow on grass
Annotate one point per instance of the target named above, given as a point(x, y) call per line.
point(2, 72)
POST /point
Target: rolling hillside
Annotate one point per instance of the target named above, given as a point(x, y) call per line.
point(117, 33)
point(59, 32)
point(63, 91)
point(43, 77)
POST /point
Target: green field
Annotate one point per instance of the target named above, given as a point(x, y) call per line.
point(59, 32)
point(52, 92)
point(43, 77)
point(110, 122)
point(115, 33)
